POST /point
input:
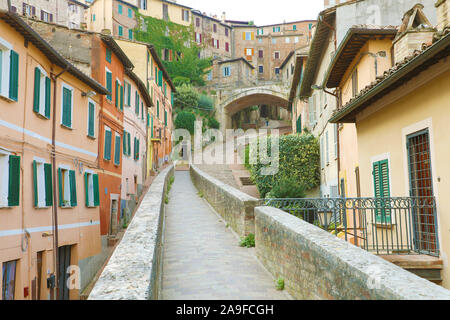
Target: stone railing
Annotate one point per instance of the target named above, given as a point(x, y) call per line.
point(317, 265)
point(134, 270)
point(235, 207)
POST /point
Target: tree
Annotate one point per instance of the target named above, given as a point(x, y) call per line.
point(185, 97)
point(185, 120)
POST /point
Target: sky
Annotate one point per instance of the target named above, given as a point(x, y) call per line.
point(262, 12)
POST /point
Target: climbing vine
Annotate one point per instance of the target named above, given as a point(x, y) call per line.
point(185, 64)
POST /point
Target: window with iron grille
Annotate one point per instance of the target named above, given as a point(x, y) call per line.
point(9, 280)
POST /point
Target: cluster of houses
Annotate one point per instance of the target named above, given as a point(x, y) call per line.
point(85, 121)
point(374, 89)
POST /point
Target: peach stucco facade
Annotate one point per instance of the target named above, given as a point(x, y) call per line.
point(26, 230)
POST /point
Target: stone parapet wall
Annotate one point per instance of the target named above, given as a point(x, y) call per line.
point(235, 207)
point(134, 270)
point(317, 265)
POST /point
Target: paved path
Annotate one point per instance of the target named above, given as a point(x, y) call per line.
point(202, 258)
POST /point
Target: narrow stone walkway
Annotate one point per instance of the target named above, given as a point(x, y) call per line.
point(202, 258)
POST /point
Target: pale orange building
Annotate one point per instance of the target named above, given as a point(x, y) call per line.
point(49, 203)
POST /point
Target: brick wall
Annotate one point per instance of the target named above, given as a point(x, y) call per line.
point(235, 207)
point(317, 265)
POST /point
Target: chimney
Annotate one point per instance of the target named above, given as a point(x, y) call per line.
point(443, 14)
point(224, 16)
point(414, 31)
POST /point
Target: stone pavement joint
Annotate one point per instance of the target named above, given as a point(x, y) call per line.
point(202, 258)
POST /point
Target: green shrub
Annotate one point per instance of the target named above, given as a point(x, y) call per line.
point(280, 284)
point(185, 120)
point(205, 102)
point(287, 188)
point(185, 97)
point(213, 123)
point(179, 81)
point(299, 160)
point(248, 241)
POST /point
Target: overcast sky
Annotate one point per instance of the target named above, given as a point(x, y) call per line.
point(262, 12)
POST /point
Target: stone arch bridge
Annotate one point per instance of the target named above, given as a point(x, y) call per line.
point(231, 99)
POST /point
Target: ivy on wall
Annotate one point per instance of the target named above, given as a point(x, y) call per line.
point(179, 39)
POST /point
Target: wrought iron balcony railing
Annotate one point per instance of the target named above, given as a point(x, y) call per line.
point(379, 225)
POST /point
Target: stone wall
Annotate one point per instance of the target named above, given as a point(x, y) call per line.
point(134, 270)
point(317, 265)
point(235, 207)
point(443, 14)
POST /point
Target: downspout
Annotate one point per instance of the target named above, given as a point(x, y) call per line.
point(55, 206)
point(9, 5)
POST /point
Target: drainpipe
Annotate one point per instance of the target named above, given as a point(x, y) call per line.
point(9, 5)
point(55, 206)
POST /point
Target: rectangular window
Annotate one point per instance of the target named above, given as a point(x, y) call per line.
point(117, 150)
point(136, 148)
point(67, 104)
point(296, 39)
point(136, 103)
point(9, 67)
point(277, 70)
point(209, 76)
point(261, 69)
point(91, 119)
point(277, 29)
point(157, 109)
point(92, 194)
point(226, 32)
point(130, 34)
point(185, 15)
point(67, 188)
point(9, 280)
point(120, 9)
point(288, 40)
point(165, 118)
point(227, 47)
point(248, 35)
point(108, 55)
point(198, 38)
point(277, 54)
point(120, 31)
point(214, 27)
point(108, 141)
point(260, 53)
point(9, 180)
point(127, 94)
point(274, 40)
point(130, 13)
point(227, 71)
point(249, 52)
point(42, 91)
point(197, 22)
point(294, 27)
point(109, 84)
point(381, 189)
point(42, 184)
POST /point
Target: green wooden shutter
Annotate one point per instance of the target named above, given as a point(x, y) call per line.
point(91, 127)
point(117, 151)
point(121, 97)
point(60, 188)
point(73, 189)
point(37, 89)
point(96, 191)
point(14, 76)
point(124, 142)
point(48, 92)
point(299, 124)
point(381, 189)
point(108, 55)
point(86, 188)
point(134, 148)
point(148, 120)
point(136, 105)
point(160, 78)
point(35, 184)
point(108, 145)
point(14, 181)
point(129, 95)
point(109, 85)
point(48, 185)
point(151, 127)
point(129, 144)
point(67, 108)
point(117, 94)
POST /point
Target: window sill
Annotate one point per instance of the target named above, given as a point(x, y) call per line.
point(66, 127)
point(91, 137)
point(40, 115)
point(7, 99)
point(41, 208)
point(66, 207)
point(5, 207)
point(383, 225)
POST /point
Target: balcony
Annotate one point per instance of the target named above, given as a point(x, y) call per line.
point(383, 226)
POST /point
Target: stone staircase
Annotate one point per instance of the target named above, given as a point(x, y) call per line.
point(424, 266)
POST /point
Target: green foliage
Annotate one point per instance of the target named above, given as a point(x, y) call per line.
point(280, 284)
point(185, 97)
point(287, 188)
point(185, 120)
point(205, 102)
point(299, 160)
point(248, 241)
point(213, 123)
point(169, 187)
point(180, 39)
point(179, 81)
